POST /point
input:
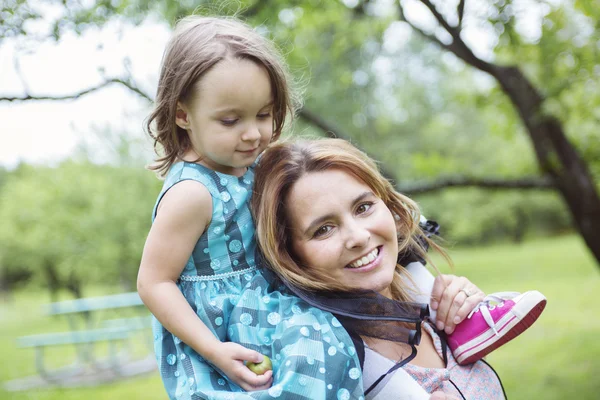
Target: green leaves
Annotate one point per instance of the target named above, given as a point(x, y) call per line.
point(411, 105)
point(78, 219)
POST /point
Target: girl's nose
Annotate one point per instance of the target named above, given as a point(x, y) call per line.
point(251, 134)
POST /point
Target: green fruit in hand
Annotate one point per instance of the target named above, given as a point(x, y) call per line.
point(261, 367)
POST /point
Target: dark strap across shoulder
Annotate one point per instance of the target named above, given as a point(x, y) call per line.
point(429, 228)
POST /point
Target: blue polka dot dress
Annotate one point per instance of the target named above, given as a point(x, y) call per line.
point(312, 355)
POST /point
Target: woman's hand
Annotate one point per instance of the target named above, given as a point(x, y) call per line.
point(229, 357)
point(453, 298)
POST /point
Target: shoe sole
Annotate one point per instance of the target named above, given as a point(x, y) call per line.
point(530, 308)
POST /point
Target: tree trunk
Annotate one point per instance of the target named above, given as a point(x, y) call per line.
point(52, 280)
point(556, 155)
point(73, 285)
point(521, 227)
point(5, 292)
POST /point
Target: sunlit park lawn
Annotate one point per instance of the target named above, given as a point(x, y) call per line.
point(558, 358)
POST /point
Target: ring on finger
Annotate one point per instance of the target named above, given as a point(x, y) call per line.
point(467, 292)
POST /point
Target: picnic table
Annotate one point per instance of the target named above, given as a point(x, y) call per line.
point(87, 327)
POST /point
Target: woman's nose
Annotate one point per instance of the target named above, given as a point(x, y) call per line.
point(357, 236)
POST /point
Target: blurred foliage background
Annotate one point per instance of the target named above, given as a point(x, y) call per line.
point(386, 75)
point(444, 131)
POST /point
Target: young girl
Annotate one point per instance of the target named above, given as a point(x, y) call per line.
point(223, 96)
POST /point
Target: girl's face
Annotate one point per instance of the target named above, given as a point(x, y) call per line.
point(230, 116)
point(342, 231)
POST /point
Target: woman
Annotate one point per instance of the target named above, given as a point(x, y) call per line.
point(333, 228)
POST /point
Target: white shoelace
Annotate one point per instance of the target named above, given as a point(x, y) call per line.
point(485, 307)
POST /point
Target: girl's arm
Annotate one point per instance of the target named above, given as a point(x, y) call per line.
point(183, 215)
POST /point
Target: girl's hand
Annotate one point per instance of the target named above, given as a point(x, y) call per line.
point(453, 298)
point(229, 357)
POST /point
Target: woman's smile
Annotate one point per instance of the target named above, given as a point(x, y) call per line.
point(367, 262)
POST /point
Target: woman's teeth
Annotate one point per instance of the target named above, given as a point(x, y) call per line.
point(365, 260)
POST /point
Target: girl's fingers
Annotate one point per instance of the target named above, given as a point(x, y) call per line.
point(260, 380)
point(249, 381)
point(245, 354)
point(261, 387)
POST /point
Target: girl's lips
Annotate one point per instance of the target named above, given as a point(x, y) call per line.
point(370, 266)
point(248, 151)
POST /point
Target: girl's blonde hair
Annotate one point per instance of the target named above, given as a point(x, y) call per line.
point(197, 45)
point(282, 165)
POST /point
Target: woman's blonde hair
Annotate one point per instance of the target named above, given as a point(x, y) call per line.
point(282, 165)
point(197, 45)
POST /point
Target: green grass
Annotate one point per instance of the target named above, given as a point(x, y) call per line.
point(24, 315)
point(558, 358)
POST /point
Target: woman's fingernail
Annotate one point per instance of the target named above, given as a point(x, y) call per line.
point(448, 330)
point(440, 325)
point(456, 320)
point(434, 305)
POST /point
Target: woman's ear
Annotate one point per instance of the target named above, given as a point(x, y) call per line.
point(181, 117)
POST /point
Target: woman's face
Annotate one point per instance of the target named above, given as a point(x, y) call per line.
point(342, 231)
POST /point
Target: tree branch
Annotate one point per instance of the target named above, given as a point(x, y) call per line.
point(128, 83)
point(460, 11)
point(543, 183)
point(457, 47)
point(452, 30)
point(325, 126)
point(335, 132)
point(125, 82)
point(332, 131)
point(430, 37)
point(359, 10)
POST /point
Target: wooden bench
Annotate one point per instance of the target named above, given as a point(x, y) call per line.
point(95, 304)
point(132, 323)
point(78, 338)
point(88, 326)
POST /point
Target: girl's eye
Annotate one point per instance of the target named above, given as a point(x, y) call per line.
point(264, 115)
point(322, 231)
point(229, 122)
point(363, 208)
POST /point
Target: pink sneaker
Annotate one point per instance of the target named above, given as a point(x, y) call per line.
point(499, 318)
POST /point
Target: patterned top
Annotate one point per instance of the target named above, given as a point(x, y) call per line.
point(227, 245)
point(476, 381)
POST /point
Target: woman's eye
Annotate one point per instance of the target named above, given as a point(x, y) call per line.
point(322, 231)
point(363, 208)
point(229, 122)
